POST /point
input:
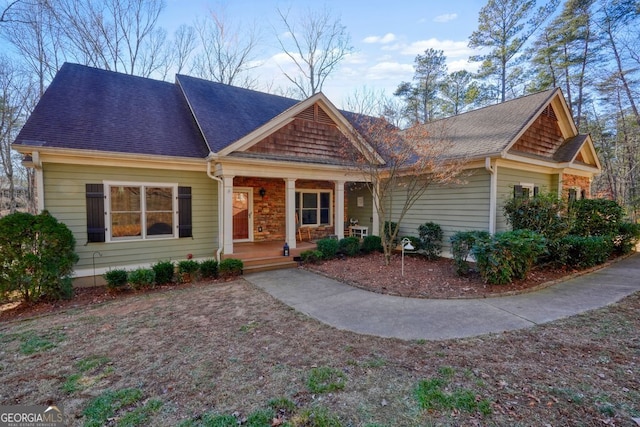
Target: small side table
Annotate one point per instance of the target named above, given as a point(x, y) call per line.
point(359, 231)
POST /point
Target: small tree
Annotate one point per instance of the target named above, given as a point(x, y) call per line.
point(36, 256)
point(399, 166)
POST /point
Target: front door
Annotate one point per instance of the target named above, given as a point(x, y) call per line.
point(242, 208)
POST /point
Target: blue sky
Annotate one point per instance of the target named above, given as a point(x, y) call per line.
point(386, 36)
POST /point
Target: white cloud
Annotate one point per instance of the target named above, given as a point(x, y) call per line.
point(452, 49)
point(389, 70)
point(446, 17)
point(387, 38)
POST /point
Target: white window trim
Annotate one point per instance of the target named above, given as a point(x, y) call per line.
point(317, 192)
point(143, 237)
point(528, 185)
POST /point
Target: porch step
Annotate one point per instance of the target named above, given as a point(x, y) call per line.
point(255, 266)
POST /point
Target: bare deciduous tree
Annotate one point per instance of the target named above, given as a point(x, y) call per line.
point(316, 43)
point(413, 160)
point(16, 90)
point(227, 51)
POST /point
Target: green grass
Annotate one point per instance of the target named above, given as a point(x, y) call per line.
point(72, 384)
point(79, 381)
point(105, 406)
point(32, 342)
point(260, 418)
point(432, 394)
point(282, 404)
point(325, 379)
point(316, 416)
point(211, 420)
point(140, 416)
point(92, 362)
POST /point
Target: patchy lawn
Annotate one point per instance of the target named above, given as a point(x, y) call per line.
point(216, 353)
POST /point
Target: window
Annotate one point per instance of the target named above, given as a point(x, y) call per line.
point(139, 211)
point(313, 207)
point(525, 190)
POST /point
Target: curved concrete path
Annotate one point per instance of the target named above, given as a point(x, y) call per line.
point(357, 310)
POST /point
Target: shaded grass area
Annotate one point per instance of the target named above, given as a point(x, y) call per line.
point(228, 353)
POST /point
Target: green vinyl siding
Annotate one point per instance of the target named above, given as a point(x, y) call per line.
point(507, 178)
point(455, 208)
point(65, 198)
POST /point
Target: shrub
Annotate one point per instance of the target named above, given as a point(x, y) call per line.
point(627, 238)
point(164, 272)
point(371, 244)
point(350, 246)
point(545, 214)
point(141, 278)
point(188, 266)
point(431, 239)
point(508, 256)
point(584, 251)
point(311, 256)
point(328, 247)
point(37, 254)
point(461, 244)
point(230, 267)
point(596, 217)
point(116, 279)
point(209, 269)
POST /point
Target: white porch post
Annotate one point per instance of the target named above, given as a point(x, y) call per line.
point(228, 214)
point(339, 212)
point(375, 219)
point(290, 217)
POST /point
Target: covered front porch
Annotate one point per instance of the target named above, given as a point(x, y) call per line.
point(261, 213)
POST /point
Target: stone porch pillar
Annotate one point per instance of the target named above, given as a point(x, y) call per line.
point(290, 207)
point(227, 215)
point(339, 209)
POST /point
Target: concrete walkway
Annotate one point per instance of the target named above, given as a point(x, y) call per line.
point(357, 310)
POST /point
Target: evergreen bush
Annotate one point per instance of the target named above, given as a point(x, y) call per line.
point(209, 269)
point(37, 254)
point(230, 267)
point(116, 279)
point(328, 247)
point(431, 239)
point(350, 246)
point(164, 272)
point(584, 251)
point(627, 238)
point(596, 217)
point(508, 256)
point(371, 244)
point(141, 278)
point(461, 244)
point(311, 256)
point(545, 214)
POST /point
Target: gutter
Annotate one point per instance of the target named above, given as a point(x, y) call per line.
point(220, 208)
point(493, 193)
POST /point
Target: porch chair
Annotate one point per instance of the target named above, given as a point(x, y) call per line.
point(300, 229)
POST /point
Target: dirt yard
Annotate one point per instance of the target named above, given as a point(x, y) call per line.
point(197, 354)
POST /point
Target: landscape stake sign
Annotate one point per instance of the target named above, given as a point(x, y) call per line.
point(31, 416)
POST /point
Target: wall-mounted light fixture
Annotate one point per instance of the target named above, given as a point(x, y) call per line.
point(262, 192)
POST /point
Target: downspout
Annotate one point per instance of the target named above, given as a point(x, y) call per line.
point(220, 209)
point(37, 165)
point(493, 193)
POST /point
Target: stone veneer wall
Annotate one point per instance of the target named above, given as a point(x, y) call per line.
point(269, 211)
point(571, 181)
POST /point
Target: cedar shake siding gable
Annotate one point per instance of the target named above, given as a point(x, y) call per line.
point(543, 137)
point(227, 113)
point(92, 109)
point(311, 136)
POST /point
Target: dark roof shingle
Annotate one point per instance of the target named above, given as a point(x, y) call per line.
point(93, 109)
point(227, 113)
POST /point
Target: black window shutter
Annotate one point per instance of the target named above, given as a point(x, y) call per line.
point(518, 192)
point(95, 212)
point(536, 190)
point(583, 194)
point(185, 227)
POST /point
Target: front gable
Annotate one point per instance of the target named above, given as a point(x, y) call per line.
point(312, 130)
point(543, 137)
point(312, 134)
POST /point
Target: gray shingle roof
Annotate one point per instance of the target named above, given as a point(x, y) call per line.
point(92, 109)
point(227, 113)
point(489, 130)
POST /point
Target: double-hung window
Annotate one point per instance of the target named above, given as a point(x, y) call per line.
point(141, 211)
point(313, 207)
